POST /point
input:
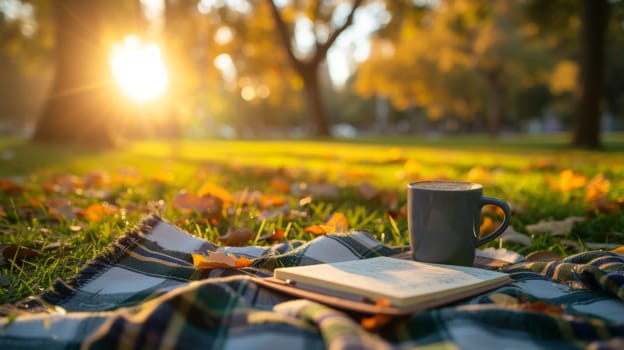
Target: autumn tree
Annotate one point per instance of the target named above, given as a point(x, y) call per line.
point(319, 14)
point(459, 58)
point(594, 19)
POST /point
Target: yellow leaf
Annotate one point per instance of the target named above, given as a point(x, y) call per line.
point(214, 190)
point(597, 188)
point(215, 260)
point(568, 180)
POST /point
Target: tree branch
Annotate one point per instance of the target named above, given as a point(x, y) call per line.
point(321, 49)
point(282, 30)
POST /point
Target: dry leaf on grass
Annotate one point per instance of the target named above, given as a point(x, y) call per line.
point(219, 260)
point(555, 227)
point(237, 237)
point(512, 236)
point(336, 223)
point(12, 252)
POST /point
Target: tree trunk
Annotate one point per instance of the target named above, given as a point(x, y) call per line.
point(78, 109)
point(314, 101)
point(586, 129)
point(495, 99)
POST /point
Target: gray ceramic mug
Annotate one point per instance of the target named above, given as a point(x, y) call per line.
point(444, 217)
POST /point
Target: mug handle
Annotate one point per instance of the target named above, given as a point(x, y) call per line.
point(501, 228)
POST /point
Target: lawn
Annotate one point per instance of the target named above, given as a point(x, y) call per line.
point(60, 207)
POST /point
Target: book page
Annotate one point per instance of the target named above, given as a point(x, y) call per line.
point(388, 277)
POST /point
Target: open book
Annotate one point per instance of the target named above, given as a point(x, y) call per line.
point(405, 285)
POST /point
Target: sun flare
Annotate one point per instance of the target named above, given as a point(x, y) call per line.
point(139, 69)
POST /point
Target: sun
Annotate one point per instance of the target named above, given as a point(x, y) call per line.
point(139, 69)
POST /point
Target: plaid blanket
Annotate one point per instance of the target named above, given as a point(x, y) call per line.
point(144, 292)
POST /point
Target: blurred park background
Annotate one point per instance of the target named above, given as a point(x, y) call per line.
point(95, 71)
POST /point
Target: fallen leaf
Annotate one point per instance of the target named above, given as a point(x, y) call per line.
point(280, 184)
point(337, 222)
point(237, 236)
point(16, 253)
point(11, 187)
point(606, 206)
point(215, 190)
point(3, 213)
point(271, 200)
point(215, 260)
point(512, 236)
point(597, 188)
point(318, 230)
point(569, 180)
point(619, 250)
point(189, 202)
point(275, 235)
point(487, 226)
point(555, 227)
point(96, 212)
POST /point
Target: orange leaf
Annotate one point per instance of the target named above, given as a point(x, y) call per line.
point(319, 229)
point(271, 200)
point(280, 184)
point(336, 223)
point(597, 188)
point(215, 260)
point(10, 187)
point(237, 236)
point(339, 221)
point(96, 212)
point(487, 225)
point(214, 190)
point(619, 250)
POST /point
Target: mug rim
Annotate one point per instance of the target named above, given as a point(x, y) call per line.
point(474, 186)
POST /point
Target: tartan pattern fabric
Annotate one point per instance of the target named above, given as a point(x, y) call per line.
point(143, 292)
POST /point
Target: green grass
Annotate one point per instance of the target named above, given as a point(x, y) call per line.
point(142, 178)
